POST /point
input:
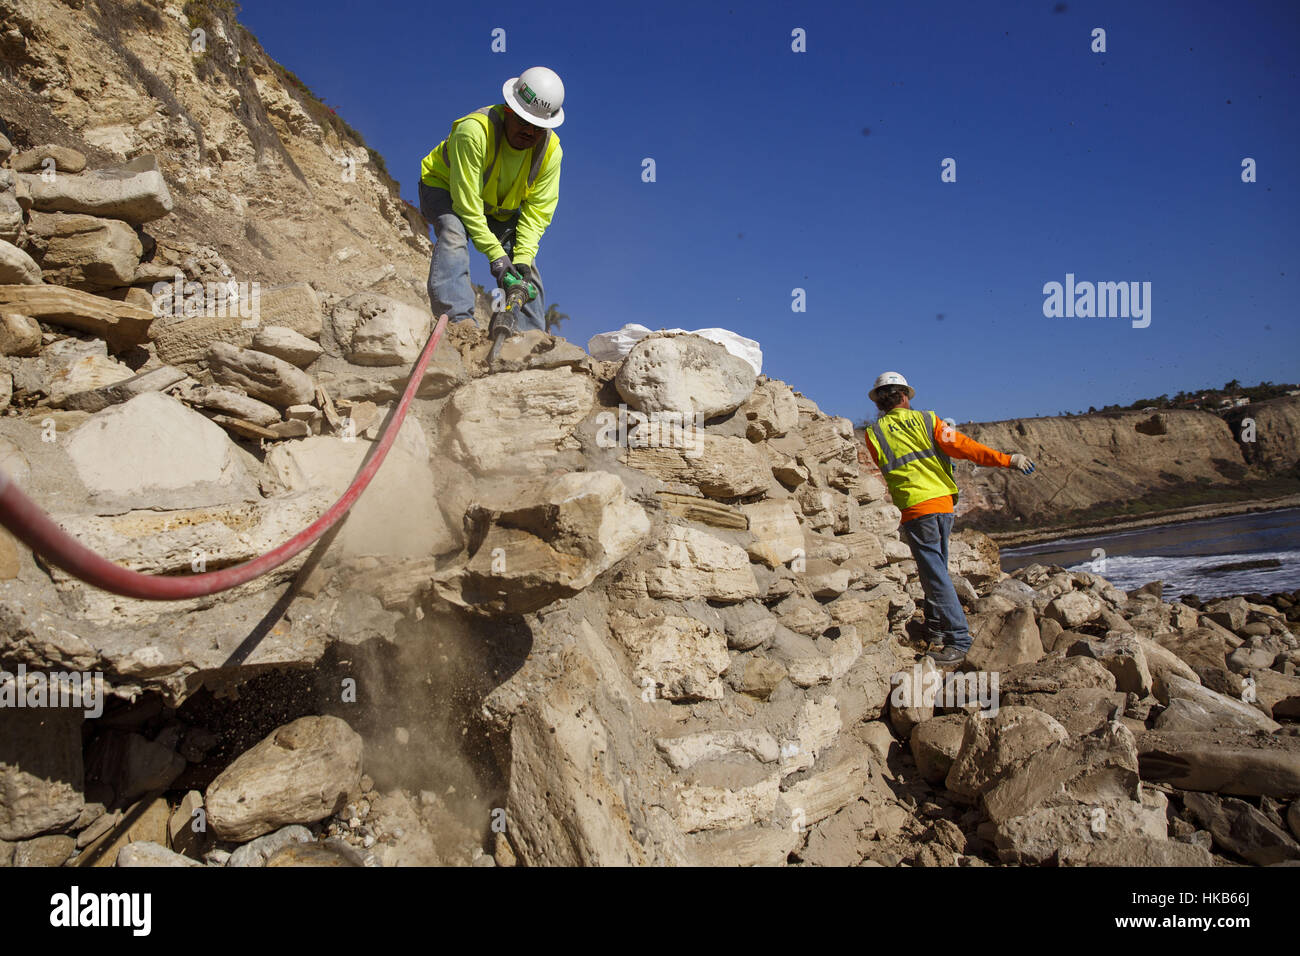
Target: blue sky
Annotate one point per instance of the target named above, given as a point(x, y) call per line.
point(820, 170)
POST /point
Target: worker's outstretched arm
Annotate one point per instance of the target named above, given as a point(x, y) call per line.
point(957, 445)
point(467, 152)
point(537, 210)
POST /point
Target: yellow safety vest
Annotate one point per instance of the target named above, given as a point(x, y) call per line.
point(915, 468)
point(435, 170)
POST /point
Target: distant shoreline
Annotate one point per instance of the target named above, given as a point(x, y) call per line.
point(1012, 539)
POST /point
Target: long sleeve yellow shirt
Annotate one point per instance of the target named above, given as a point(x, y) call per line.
point(468, 153)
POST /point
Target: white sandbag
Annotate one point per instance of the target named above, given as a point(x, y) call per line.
point(613, 346)
point(737, 345)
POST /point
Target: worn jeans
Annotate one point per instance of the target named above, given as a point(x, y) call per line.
point(449, 286)
point(927, 536)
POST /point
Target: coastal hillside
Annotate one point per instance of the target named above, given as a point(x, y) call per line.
point(1131, 464)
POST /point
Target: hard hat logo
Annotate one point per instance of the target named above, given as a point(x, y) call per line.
point(528, 96)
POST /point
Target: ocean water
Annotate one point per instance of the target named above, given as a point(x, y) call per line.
point(1210, 557)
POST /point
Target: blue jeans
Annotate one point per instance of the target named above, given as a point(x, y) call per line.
point(927, 536)
point(449, 286)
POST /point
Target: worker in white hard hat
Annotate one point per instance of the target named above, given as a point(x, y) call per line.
point(914, 451)
point(495, 181)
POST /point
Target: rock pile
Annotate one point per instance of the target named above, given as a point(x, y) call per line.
point(684, 626)
point(642, 612)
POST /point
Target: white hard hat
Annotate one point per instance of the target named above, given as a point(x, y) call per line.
point(536, 95)
point(890, 378)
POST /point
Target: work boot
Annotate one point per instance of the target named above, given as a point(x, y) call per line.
point(949, 654)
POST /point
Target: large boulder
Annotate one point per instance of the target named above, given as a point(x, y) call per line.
point(303, 772)
point(720, 466)
point(135, 192)
point(685, 374)
point(41, 772)
point(1163, 664)
point(994, 746)
point(770, 411)
point(19, 334)
point(935, 744)
point(166, 543)
point(120, 324)
point(1073, 608)
point(515, 421)
point(550, 541)
point(153, 448)
point(1122, 654)
point(1241, 762)
point(17, 267)
point(829, 444)
point(1000, 641)
point(1040, 836)
point(1084, 770)
point(686, 563)
point(809, 662)
point(373, 329)
point(1080, 710)
point(1135, 851)
point(397, 516)
point(581, 788)
point(1242, 829)
point(673, 657)
point(183, 339)
point(264, 377)
point(1055, 674)
point(778, 538)
point(84, 252)
point(73, 366)
point(64, 159)
point(287, 344)
point(1222, 711)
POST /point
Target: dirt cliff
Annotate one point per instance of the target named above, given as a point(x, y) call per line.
point(268, 182)
point(1129, 463)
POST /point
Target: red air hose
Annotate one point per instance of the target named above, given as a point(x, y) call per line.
point(34, 528)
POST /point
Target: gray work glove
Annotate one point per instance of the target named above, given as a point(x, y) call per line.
point(1022, 464)
point(502, 266)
